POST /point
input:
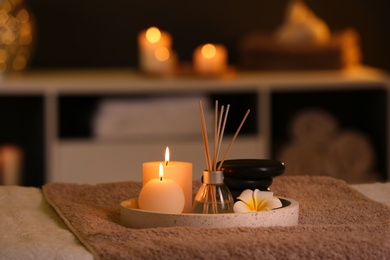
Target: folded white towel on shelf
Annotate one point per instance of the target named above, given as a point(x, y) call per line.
point(123, 118)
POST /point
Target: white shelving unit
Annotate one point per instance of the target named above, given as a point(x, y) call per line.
point(90, 160)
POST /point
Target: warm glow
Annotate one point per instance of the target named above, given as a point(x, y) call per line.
point(208, 51)
point(161, 172)
point(153, 34)
point(162, 54)
point(3, 17)
point(3, 55)
point(3, 66)
point(23, 16)
point(19, 62)
point(166, 156)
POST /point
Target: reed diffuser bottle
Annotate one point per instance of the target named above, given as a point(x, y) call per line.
point(214, 196)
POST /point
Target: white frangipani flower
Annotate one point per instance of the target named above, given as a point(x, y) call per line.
point(256, 201)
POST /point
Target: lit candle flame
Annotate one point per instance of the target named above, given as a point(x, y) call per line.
point(161, 172)
point(166, 156)
point(161, 54)
point(153, 34)
point(208, 51)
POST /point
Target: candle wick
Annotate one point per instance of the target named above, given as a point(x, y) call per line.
point(161, 178)
point(166, 163)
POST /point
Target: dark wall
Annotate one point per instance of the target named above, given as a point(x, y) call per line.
point(97, 33)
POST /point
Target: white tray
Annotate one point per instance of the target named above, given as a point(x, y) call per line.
point(133, 217)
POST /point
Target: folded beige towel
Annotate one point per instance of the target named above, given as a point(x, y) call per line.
point(336, 222)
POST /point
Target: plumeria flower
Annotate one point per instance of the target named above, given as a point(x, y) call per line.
point(256, 201)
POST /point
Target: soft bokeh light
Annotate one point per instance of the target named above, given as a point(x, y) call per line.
point(3, 17)
point(162, 54)
point(23, 16)
point(208, 51)
point(16, 37)
point(153, 34)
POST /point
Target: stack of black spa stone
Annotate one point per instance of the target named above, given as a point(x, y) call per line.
point(242, 174)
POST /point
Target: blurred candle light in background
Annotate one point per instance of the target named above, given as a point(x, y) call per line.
point(153, 35)
point(162, 54)
point(208, 51)
point(210, 59)
point(17, 28)
point(155, 54)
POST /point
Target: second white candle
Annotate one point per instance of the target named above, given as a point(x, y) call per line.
point(180, 172)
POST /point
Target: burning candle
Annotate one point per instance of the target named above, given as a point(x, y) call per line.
point(180, 172)
point(155, 54)
point(162, 195)
point(210, 59)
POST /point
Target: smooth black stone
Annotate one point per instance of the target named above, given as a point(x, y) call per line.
point(252, 169)
point(239, 184)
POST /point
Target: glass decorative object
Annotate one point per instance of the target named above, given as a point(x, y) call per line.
point(213, 197)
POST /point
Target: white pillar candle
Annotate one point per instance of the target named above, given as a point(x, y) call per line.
point(180, 172)
point(155, 54)
point(162, 195)
point(210, 59)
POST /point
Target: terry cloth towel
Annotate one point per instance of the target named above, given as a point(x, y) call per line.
point(31, 229)
point(335, 222)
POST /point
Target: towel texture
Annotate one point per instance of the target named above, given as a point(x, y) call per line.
point(335, 222)
point(31, 229)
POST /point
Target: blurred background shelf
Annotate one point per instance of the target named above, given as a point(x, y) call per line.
point(50, 115)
